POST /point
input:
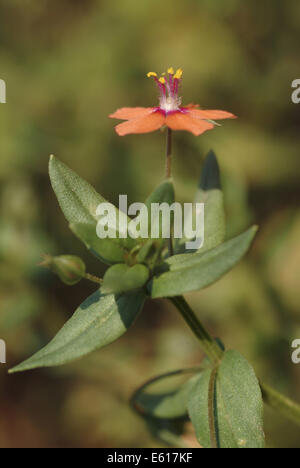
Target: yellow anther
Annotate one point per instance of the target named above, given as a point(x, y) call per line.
point(178, 74)
point(171, 71)
point(162, 80)
point(150, 74)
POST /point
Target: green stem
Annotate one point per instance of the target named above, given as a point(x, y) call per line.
point(274, 399)
point(93, 278)
point(281, 403)
point(168, 175)
point(209, 345)
point(169, 154)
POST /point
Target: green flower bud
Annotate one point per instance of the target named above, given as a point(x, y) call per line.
point(69, 268)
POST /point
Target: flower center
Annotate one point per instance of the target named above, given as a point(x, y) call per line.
point(169, 104)
point(168, 85)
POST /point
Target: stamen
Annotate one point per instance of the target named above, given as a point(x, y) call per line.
point(178, 74)
point(168, 84)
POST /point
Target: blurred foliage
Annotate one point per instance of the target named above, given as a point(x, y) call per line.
point(67, 65)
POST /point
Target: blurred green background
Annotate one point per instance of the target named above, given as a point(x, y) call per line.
point(67, 65)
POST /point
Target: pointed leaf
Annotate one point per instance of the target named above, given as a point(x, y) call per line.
point(210, 193)
point(163, 194)
point(238, 405)
point(191, 272)
point(99, 321)
point(79, 202)
point(108, 250)
point(165, 405)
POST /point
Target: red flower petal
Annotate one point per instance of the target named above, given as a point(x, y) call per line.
point(148, 123)
point(127, 113)
point(211, 114)
point(185, 121)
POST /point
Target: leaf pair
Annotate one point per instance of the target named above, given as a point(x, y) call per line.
point(188, 271)
point(236, 404)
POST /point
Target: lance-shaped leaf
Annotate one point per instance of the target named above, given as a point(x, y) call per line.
point(79, 202)
point(163, 193)
point(191, 272)
point(209, 193)
point(108, 250)
point(99, 321)
point(121, 278)
point(169, 432)
point(156, 216)
point(237, 406)
point(169, 404)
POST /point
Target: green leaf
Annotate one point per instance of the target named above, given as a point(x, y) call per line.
point(146, 250)
point(121, 278)
point(107, 250)
point(79, 202)
point(163, 194)
point(167, 431)
point(210, 193)
point(99, 321)
point(237, 405)
point(170, 404)
point(191, 272)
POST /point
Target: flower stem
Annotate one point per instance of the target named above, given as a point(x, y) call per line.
point(169, 154)
point(273, 398)
point(93, 278)
point(168, 175)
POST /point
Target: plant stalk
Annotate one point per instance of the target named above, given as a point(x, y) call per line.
point(169, 154)
point(168, 175)
point(93, 278)
point(289, 408)
point(209, 345)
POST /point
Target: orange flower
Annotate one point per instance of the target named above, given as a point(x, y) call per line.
point(170, 112)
